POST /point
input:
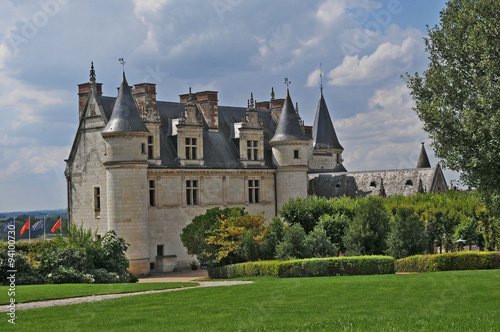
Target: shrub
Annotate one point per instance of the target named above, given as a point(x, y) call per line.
point(102, 276)
point(272, 238)
point(65, 275)
point(465, 260)
point(335, 227)
point(407, 236)
point(316, 267)
point(293, 244)
point(367, 232)
point(26, 273)
point(318, 244)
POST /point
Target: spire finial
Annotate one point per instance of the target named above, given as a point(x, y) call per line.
point(92, 72)
point(122, 61)
point(272, 93)
point(297, 107)
point(190, 90)
point(251, 104)
point(321, 78)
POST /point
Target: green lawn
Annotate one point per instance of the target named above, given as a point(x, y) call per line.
point(439, 301)
point(49, 292)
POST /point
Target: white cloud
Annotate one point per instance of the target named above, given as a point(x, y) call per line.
point(143, 8)
point(314, 78)
point(387, 136)
point(387, 60)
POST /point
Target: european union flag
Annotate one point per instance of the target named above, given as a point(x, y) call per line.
point(6, 226)
point(40, 224)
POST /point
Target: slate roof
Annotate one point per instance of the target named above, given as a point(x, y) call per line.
point(125, 116)
point(220, 149)
point(423, 159)
point(364, 183)
point(324, 136)
point(288, 128)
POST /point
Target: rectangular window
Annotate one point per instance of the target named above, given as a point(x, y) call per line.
point(97, 199)
point(159, 250)
point(143, 148)
point(253, 191)
point(150, 147)
point(152, 193)
point(192, 192)
point(190, 148)
point(252, 150)
point(296, 154)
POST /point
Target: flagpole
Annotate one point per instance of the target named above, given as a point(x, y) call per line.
point(29, 230)
point(44, 229)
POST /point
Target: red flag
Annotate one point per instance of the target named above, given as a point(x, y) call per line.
point(26, 226)
point(56, 226)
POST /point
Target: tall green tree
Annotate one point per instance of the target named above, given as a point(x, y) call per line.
point(458, 96)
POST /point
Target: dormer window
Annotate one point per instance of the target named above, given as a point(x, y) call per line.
point(190, 148)
point(252, 150)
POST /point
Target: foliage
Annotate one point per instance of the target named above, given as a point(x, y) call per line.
point(273, 236)
point(458, 96)
point(465, 260)
point(335, 227)
point(293, 245)
point(26, 273)
point(319, 244)
point(314, 267)
point(368, 230)
point(194, 236)
point(307, 211)
point(407, 236)
point(72, 259)
point(227, 237)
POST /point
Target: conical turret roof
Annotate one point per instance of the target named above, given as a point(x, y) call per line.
point(324, 136)
point(288, 128)
point(125, 116)
point(423, 160)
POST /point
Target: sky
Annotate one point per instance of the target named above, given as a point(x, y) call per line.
point(236, 47)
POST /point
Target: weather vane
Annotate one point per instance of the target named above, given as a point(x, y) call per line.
point(287, 82)
point(122, 61)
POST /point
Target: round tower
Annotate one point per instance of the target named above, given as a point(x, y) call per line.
point(126, 139)
point(289, 149)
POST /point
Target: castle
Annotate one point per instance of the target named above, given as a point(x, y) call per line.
point(146, 168)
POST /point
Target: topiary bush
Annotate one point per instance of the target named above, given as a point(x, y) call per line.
point(315, 267)
point(465, 260)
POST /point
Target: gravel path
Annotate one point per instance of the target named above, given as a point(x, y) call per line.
point(95, 298)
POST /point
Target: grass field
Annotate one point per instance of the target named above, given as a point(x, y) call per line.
point(440, 301)
point(31, 293)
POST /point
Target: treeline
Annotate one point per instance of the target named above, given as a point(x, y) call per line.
point(319, 227)
point(20, 221)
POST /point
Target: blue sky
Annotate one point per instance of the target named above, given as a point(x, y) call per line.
point(233, 46)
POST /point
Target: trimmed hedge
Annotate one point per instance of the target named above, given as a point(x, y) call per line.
point(314, 267)
point(465, 260)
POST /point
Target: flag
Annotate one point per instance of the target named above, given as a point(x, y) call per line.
point(56, 226)
point(6, 226)
point(40, 224)
point(26, 226)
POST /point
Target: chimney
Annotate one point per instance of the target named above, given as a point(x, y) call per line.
point(276, 106)
point(84, 93)
point(262, 105)
point(208, 103)
point(145, 97)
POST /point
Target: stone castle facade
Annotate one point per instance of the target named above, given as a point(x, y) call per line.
point(146, 168)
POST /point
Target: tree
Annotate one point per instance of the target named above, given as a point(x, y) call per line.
point(458, 96)
point(367, 233)
point(293, 245)
point(407, 235)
